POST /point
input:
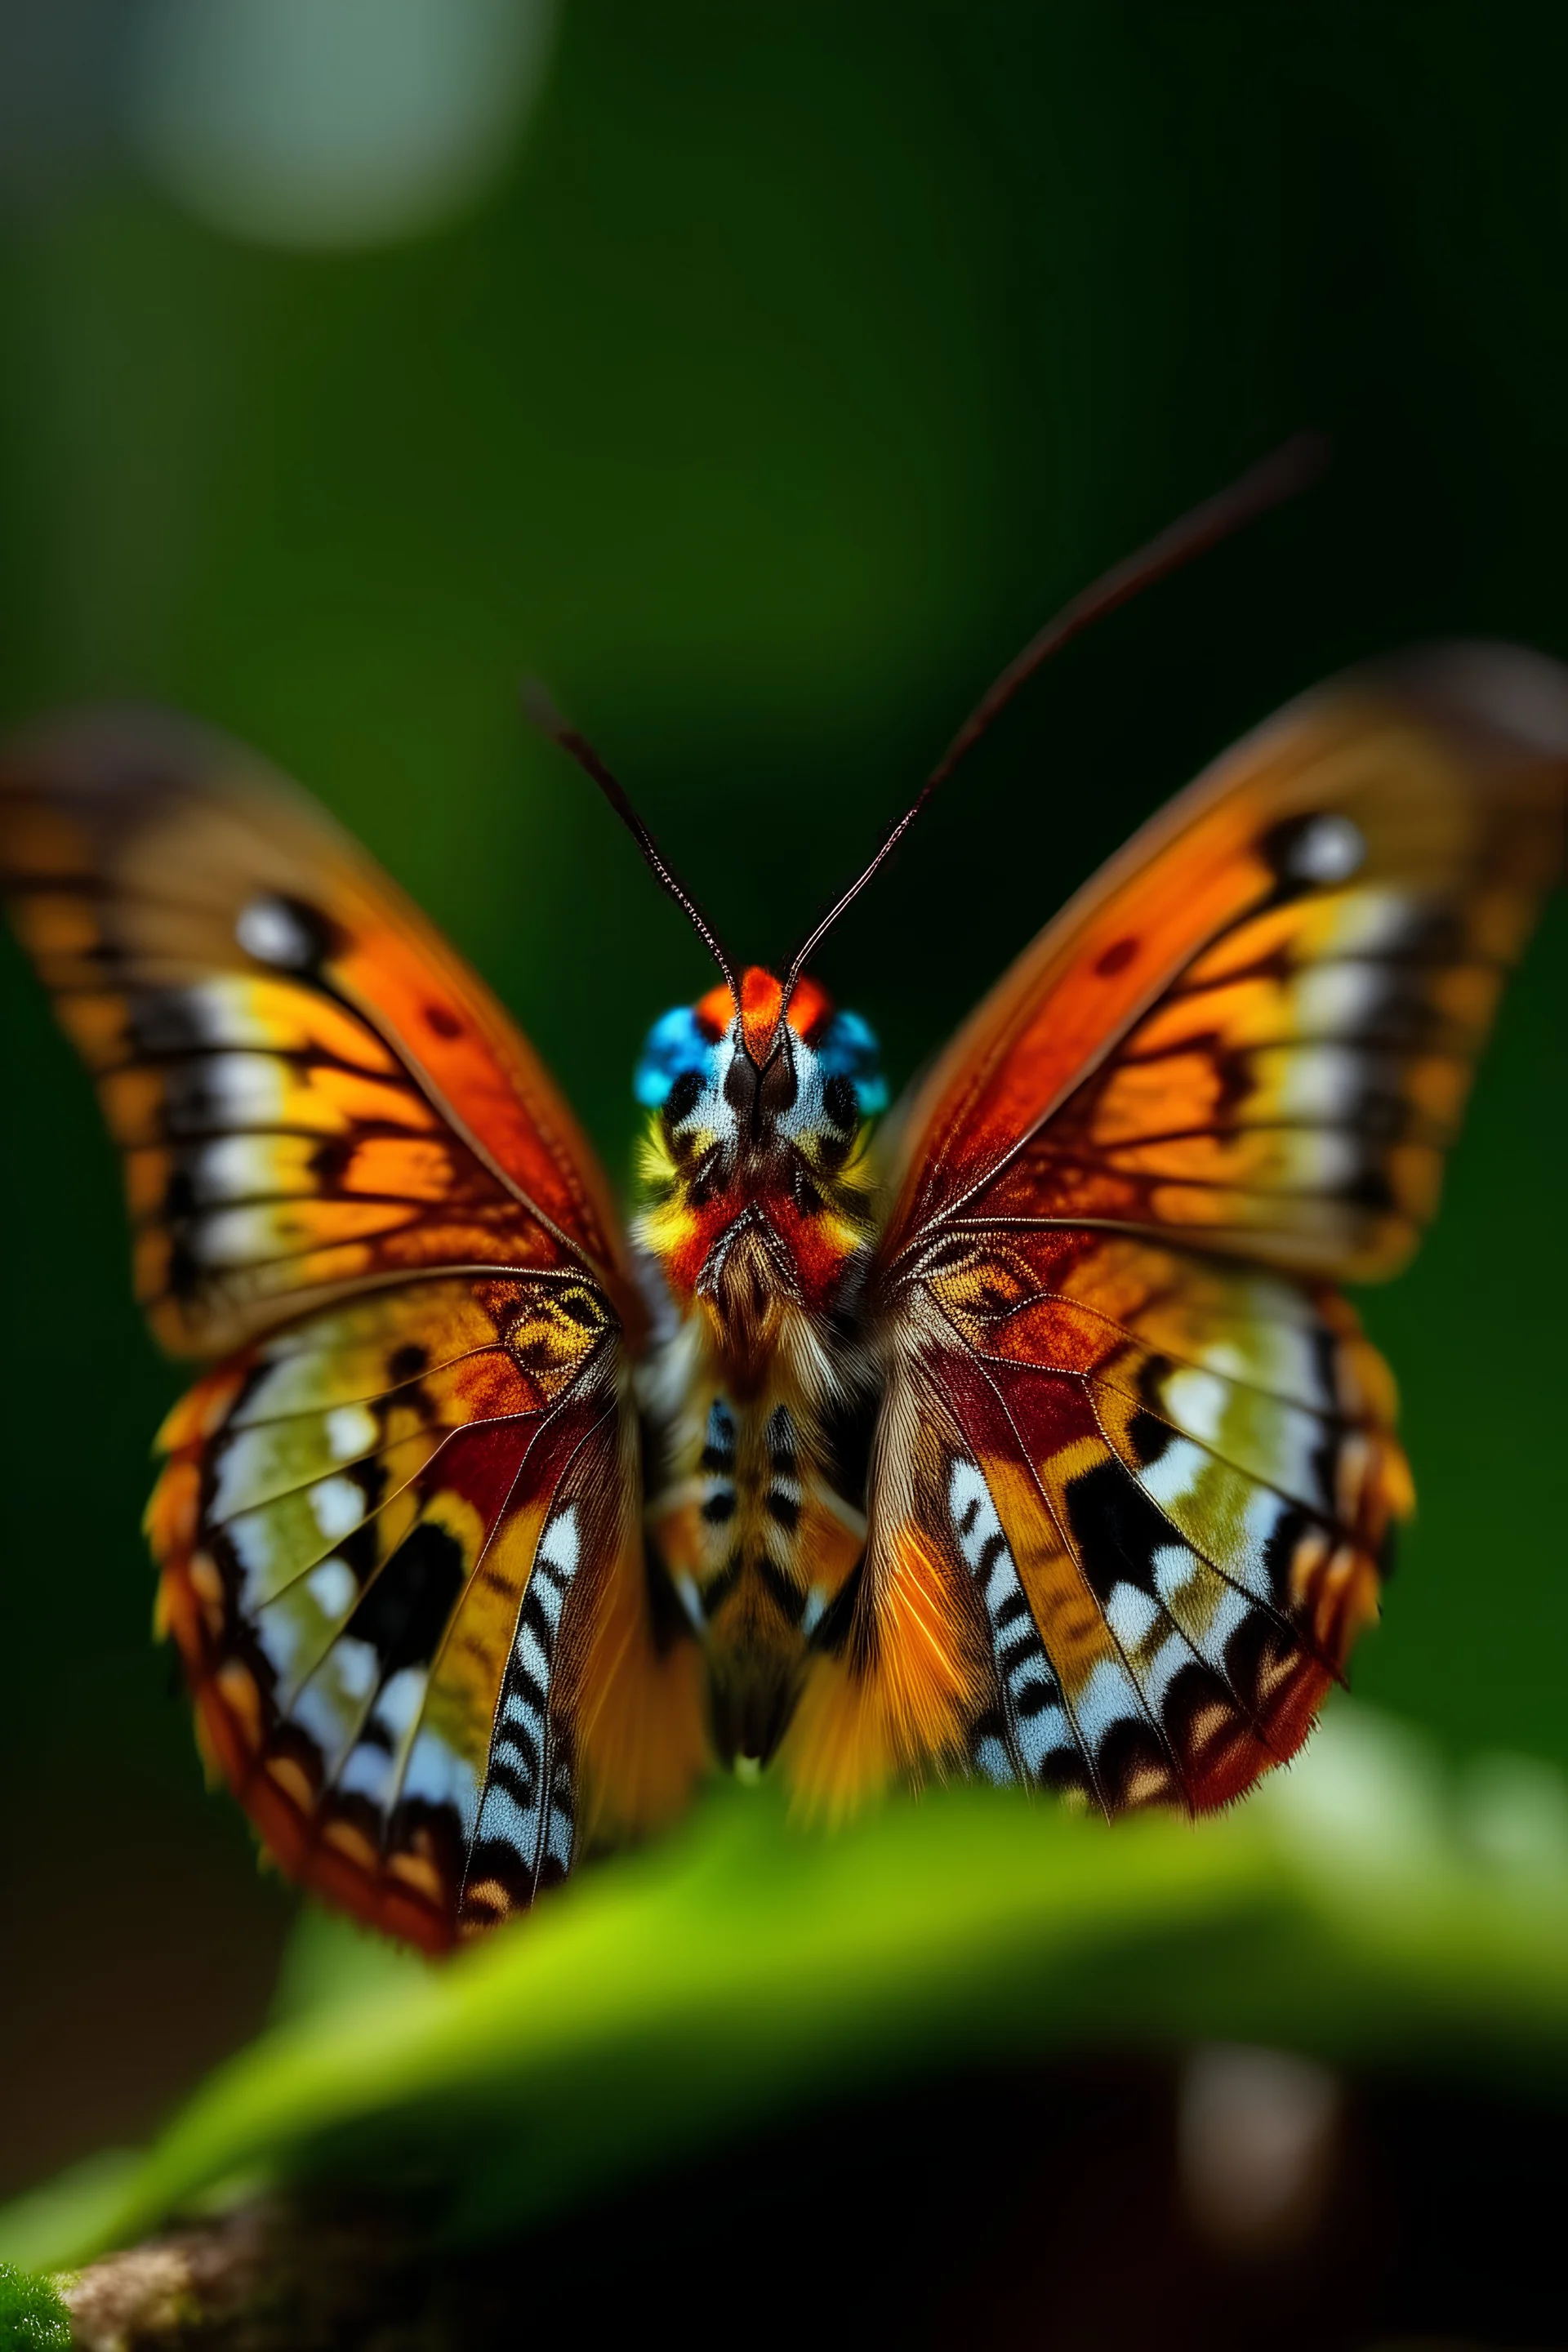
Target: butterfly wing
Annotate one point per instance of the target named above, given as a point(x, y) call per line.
point(1137, 1467)
point(402, 1555)
point(309, 1090)
point(399, 1527)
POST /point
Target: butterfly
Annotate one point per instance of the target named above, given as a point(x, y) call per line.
point(1026, 1436)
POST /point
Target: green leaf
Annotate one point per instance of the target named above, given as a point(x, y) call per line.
point(1362, 1906)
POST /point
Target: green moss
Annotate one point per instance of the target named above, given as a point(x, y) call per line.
point(32, 2316)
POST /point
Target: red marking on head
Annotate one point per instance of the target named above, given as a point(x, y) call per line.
point(808, 1007)
point(716, 1010)
point(760, 998)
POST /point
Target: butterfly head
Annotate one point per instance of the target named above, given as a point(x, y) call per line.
point(758, 1187)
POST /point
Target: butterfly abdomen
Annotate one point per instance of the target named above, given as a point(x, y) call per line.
point(758, 1538)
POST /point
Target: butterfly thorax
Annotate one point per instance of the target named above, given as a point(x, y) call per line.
point(759, 1214)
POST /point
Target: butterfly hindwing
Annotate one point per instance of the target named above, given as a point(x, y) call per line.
point(1136, 1473)
point(401, 1560)
point(1137, 1524)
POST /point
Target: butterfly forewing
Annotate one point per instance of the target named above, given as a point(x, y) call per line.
point(1137, 1472)
point(309, 1090)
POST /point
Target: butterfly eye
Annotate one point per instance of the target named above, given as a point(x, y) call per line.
point(841, 1102)
point(683, 1097)
point(848, 1050)
point(677, 1047)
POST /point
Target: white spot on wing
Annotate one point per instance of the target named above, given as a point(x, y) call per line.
point(1174, 1568)
point(350, 1431)
point(1196, 1402)
point(251, 1536)
point(1130, 1613)
point(367, 1773)
point(531, 1658)
point(967, 1488)
point(273, 934)
point(1330, 998)
point(1320, 1082)
point(334, 1587)
point(1108, 1698)
point(233, 1168)
point(502, 1817)
point(558, 1841)
point(1176, 1473)
point(1206, 1608)
point(437, 1775)
point(244, 1089)
point(1040, 1736)
point(280, 1632)
point(403, 1696)
point(355, 1667)
point(337, 1506)
point(1158, 1672)
point(1329, 849)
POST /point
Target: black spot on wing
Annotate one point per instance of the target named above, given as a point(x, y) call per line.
point(167, 1021)
point(1116, 1528)
point(405, 1611)
point(1131, 1763)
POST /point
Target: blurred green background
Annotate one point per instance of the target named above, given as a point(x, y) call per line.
point(762, 377)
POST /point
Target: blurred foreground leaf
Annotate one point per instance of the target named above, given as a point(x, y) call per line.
point(1365, 1907)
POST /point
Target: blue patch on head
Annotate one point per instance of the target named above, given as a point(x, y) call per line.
point(847, 1048)
point(676, 1042)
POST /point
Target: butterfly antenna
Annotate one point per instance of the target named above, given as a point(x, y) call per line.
point(541, 713)
point(1291, 470)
